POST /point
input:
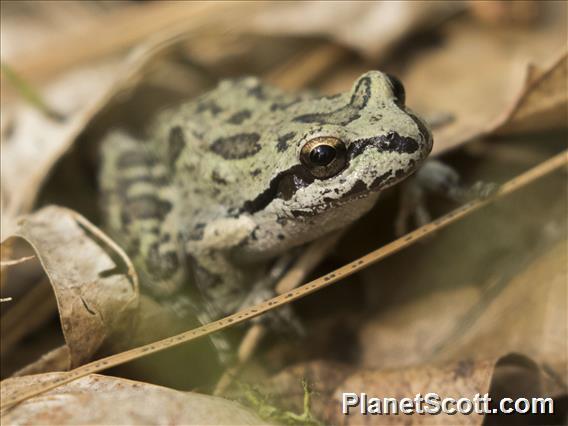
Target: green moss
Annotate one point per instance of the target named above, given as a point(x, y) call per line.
point(274, 414)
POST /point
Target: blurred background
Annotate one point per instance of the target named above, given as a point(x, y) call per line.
point(478, 307)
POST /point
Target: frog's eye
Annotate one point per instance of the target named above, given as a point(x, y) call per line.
point(397, 89)
point(324, 156)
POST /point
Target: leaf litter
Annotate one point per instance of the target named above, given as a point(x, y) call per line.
point(527, 104)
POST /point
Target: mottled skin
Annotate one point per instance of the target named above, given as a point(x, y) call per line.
point(220, 186)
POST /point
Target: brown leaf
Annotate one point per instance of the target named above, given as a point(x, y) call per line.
point(322, 377)
point(371, 28)
point(461, 379)
point(543, 102)
point(93, 280)
point(96, 399)
point(488, 323)
point(54, 360)
point(480, 74)
point(35, 141)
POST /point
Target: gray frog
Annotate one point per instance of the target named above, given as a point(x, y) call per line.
point(226, 183)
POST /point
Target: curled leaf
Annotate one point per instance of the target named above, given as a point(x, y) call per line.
point(94, 282)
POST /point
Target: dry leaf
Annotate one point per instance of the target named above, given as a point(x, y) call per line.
point(371, 28)
point(480, 74)
point(512, 376)
point(35, 142)
point(54, 360)
point(486, 322)
point(322, 377)
point(543, 103)
point(93, 280)
point(96, 399)
point(500, 12)
point(461, 379)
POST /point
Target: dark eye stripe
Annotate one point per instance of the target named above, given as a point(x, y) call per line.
point(284, 185)
point(391, 142)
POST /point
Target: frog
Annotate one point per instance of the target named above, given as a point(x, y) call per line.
point(222, 186)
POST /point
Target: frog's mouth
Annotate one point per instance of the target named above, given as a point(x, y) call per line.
point(358, 191)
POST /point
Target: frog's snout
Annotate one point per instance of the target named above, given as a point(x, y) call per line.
point(425, 135)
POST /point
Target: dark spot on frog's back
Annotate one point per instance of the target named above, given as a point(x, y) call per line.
point(362, 93)
point(176, 143)
point(257, 92)
point(217, 178)
point(209, 106)
point(148, 207)
point(332, 97)
point(162, 265)
point(239, 117)
point(236, 147)
point(340, 117)
point(347, 113)
point(255, 172)
point(196, 233)
point(283, 141)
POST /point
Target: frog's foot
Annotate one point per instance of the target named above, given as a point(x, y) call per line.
point(184, 309)
point(436, 178)
point(282, 319)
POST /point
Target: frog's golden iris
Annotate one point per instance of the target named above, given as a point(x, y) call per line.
point(324, 156)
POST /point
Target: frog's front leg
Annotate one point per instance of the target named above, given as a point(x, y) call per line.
point(265, 288)
point(434, 177)
point(227, 283)
point(221, 281)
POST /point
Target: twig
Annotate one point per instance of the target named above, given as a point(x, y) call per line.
point(9, 399)
point(12, 262)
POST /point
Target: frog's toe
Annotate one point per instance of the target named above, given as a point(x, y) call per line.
point(283, 320)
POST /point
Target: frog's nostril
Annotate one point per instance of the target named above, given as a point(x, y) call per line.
point(397, 143)
point(424, 132)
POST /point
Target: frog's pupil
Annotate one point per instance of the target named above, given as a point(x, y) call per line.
point(322, 155)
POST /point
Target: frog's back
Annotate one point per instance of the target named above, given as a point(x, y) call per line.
point(257, 156)
point(159, 190)
point(221, 147)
